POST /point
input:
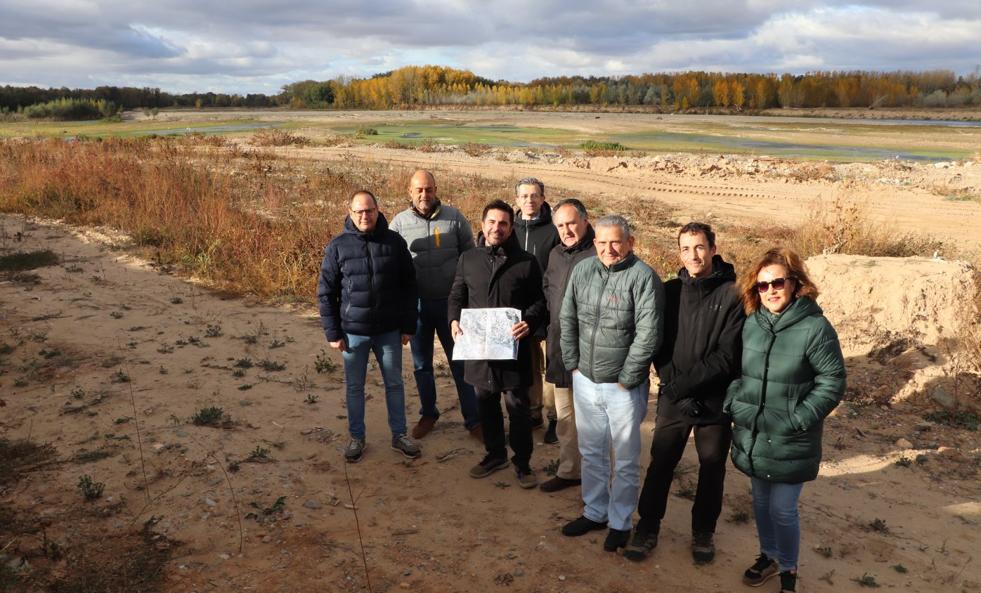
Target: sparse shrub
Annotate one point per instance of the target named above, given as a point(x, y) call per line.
point(324, 363)
point(904, 461)
point(475, 149)
point(362, 132)
point(428, 145)
point(867, 580)
point(272, 137)
point(211, 416)
point(244, 363)
point(271, 366)
point(213, 330)
point(900, 568)
point(90, 490)
point(398, 145)
point(119, 377)
point(258, 455)
point(312, 398)
point(879, 525)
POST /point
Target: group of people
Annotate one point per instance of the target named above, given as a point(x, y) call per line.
point(747, 364)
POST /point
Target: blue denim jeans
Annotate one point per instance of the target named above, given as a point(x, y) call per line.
point(608, 419)
point(433, 320)
point(777, 521)
point(388, 352)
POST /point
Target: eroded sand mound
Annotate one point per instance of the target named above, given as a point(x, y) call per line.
point(874, 302)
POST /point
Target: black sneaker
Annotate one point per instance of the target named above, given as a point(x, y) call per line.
point(581, 526)
point(702, 547)
point(616, 539)
point(557, 483)
point(354, 450)
point(487, 466)
point(788, 582)
point(642, 543)
point(550, 435)
point(763, 570)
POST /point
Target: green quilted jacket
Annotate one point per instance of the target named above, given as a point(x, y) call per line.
point(793, 376)
point(612, 320)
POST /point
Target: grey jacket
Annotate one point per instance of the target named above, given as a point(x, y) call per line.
point(436, 243)
point(612, 320)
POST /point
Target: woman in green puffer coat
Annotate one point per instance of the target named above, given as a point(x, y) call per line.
point(793, 376)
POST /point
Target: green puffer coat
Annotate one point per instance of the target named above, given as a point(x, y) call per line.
point(793, 376)
point(612, 320)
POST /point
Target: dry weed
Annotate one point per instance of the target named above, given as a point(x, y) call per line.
point(272, 137)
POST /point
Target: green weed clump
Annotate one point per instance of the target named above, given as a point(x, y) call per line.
point(211, 416)
point(596, 148)
point(90, 489)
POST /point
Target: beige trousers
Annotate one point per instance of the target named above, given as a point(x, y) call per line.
point(569, 457)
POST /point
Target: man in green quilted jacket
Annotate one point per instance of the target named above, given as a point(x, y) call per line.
point(612, 324)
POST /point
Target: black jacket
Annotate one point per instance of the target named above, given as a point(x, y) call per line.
point(538, 236)
point(560, 264)
point(500, 276)
point(702, 348)
point(367, 283)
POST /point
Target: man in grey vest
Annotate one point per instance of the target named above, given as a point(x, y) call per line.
point(436, 234)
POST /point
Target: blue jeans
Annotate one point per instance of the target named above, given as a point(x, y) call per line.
point(433, 320)
point(388, 352)
point(608, 418)
point(777, 521)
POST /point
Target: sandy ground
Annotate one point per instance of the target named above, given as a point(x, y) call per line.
point(78, 330)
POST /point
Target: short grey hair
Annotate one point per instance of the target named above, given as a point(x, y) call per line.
point(616, 220)
point(530, 181)
point(575, 203)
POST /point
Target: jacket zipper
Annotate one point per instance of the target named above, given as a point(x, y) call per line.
point(592, 342)
point(759, 410)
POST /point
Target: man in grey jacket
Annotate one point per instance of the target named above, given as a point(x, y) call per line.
point(436, 234)
point(612, 325)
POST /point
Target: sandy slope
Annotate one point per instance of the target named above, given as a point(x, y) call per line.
point(425, 525)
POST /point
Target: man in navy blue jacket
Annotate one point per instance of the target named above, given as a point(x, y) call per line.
point(367, 294)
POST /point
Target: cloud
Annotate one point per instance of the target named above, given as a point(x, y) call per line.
point(257, 45)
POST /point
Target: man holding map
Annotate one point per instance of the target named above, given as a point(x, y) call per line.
point(498, 273)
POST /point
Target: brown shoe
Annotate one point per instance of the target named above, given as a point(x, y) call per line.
point(477, 432)
point(423, 427)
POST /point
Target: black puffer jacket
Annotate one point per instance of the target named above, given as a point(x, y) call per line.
point(538, 236)
point(702, 345)
point(560, 264)
point(500, 276)
point(367, 283)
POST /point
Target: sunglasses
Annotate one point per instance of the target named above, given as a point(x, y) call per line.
point(776, 283)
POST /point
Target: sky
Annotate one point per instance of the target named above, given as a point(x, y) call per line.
point(249, 46)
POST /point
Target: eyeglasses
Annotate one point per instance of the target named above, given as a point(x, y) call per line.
point(368, 212)
point(776, 283)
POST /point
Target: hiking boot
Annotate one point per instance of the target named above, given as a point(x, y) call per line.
point(488, 466)
point(788, 582)
point(477, 433)
point(405, 446)
point(354, 450)
point(763, 570)
point(527, 478)
point(423, 427)
point(557, 483)
point(550, 436)
point(616, 539)
point(581, 526)
point(642, 543)
point(702, 547)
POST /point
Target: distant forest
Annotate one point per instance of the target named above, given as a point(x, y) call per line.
point(415, 86)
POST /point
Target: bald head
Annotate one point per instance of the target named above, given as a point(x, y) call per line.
point(422, 191)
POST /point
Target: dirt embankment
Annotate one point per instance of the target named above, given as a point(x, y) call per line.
point(109, 361)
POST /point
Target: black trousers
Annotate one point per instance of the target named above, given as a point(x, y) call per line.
point(492, 424)
point(712, 444)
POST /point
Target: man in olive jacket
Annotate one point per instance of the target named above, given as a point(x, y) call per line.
point(612, 325)
point(699, 358)
point(498, 273)
point(575, 232)
point(436, 234)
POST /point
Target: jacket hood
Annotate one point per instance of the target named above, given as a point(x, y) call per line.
point(435, 212)
point(585, 243)
point(544, 217)
point(722, 271)
point(380, 226)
